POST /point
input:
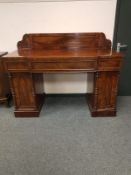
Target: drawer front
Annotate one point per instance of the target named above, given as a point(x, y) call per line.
point(16, 66)
point(109, 64)
point(61, 66)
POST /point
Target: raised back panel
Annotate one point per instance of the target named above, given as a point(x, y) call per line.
point(64, 41)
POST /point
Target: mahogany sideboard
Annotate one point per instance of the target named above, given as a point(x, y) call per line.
point(4, 82)
point(63, 52)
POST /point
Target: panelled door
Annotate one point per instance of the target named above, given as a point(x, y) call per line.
point(122, 41)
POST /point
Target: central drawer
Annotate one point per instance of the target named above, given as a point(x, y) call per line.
point(62, 66)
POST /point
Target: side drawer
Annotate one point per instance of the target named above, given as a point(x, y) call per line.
point(64, 66)
point(106, 64)
point(16, 66)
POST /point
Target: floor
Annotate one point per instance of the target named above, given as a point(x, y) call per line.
point(66, 140)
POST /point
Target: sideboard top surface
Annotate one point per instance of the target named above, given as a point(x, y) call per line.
point(62, 54)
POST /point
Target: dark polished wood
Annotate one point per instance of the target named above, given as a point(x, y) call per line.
point(69, 52)
point(4, 82)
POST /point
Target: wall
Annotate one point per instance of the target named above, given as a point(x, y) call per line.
point(78, 16)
